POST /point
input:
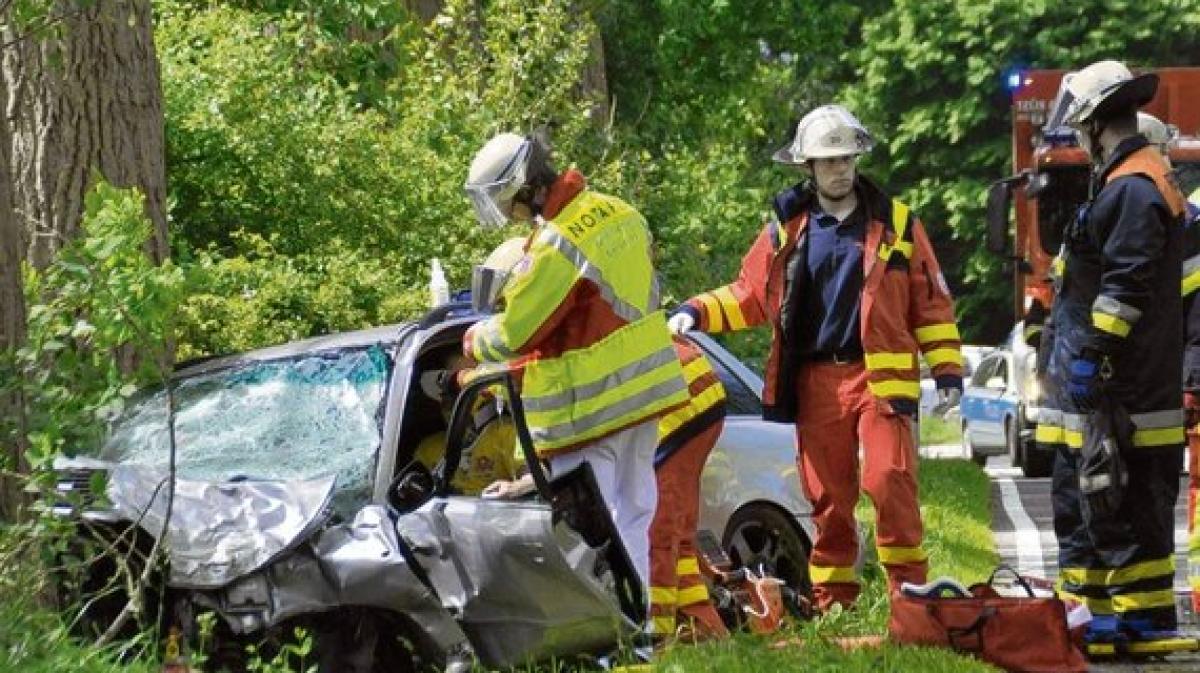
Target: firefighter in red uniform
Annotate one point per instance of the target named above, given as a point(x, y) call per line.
point(678, 595)
point(849, 282)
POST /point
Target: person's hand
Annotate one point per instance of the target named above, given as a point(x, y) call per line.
point(507, 490)
point(1083, 382)
point(947, 399)
point(681, 322)
point(1191, 407)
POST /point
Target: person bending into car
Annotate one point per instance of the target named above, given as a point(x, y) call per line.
point(582, 309)
point(487, 454)
point(849, 281)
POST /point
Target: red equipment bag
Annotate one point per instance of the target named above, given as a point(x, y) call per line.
point(1025, 633)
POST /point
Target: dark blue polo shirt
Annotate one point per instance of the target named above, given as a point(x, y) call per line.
point(833, 283)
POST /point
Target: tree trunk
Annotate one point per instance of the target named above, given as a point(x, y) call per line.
point(12, 333)
point(87, 98)
point(81, 93)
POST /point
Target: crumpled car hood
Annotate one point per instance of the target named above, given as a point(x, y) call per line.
point(220, 531)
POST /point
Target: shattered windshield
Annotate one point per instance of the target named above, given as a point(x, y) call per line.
point(303, 417)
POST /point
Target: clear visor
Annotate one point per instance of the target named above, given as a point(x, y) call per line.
point(492, 202)
point(1064, 103)
point(487, 284)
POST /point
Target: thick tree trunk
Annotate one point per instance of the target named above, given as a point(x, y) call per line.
point(82, 97)
point(85, 99)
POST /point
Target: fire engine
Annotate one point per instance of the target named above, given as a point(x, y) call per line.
point(1050, 180)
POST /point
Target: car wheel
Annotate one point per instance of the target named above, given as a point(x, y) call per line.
point(762, 535)
point(1012, 441)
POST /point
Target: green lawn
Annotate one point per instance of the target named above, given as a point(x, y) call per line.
point(954, 496)
point(936, 430)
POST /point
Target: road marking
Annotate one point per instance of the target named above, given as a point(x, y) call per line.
point(1027, 538)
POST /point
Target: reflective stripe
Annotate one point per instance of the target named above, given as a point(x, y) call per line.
point(1144, 600)
point(609, 417)
point(655, 295)
point(692, 595)
point(1158, 419)
point(1191, 275)
point(832, 574)
point(695, 369)
point(1160, 437)
point(940, 332)
point(664, 595)
point(1109, 577)
point(889, 360)
point(944, 356)
point(624, 310)
point(587, 391)
point(892, 555)
point(687, 566)
point(733, 310)
point(697, 405)
point(1098, 606)
point(900, 227)
point(1111, 324)
point(1048, 433)
point(895, 388)
point(1109, 306)
point(662, 624)
point(716, 323)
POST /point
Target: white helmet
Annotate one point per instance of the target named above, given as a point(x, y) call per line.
point(1156, 131)
point(489, 278)
point(496, 175)
point(828, 131)
point(1098, 91)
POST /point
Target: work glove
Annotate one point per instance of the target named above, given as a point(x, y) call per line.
point(681, 322)
point(1085, 379)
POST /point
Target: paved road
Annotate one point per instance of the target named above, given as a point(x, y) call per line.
point(1024, 533)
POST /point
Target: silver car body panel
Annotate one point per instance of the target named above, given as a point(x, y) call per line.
point(524, 586)
point(358, 564)
point(220, 531)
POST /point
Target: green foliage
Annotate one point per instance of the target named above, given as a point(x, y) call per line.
point(260, 296)
point(101, 296)
point(929, 82)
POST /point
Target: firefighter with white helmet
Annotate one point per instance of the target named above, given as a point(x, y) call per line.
point(848, 280)
point(581, 313)
point(1116, 345)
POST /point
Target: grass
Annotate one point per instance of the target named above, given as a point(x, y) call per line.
point(959, 542)
point(935, 430)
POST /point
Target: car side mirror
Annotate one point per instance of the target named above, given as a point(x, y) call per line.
point(413, 487)
point(995, 383)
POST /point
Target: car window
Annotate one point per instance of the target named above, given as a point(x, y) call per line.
point(740, 399)
point(297, 418)
point(1001, 369)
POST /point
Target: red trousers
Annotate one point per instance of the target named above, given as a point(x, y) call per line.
point(1193, 440)
point(677, 591)
point(837, 414)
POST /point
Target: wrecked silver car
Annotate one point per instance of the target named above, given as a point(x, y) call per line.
point(296, 501)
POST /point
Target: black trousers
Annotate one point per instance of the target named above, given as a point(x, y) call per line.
point(1122, 565)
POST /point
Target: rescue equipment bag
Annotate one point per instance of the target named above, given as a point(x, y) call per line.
point(1025, 633)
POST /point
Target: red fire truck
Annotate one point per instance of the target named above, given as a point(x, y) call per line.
point(1049, 182)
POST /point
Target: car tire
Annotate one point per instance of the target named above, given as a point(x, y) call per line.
point(1012, 443)
point(761, 534)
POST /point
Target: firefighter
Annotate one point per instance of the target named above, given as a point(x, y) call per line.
point(1118, 343)
point(582, 308)
point(678, 594)
point(848, 280)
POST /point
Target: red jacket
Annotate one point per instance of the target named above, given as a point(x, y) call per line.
point(906, 305)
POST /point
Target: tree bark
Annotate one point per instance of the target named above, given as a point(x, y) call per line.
point(86, 98)
point(81, 94)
